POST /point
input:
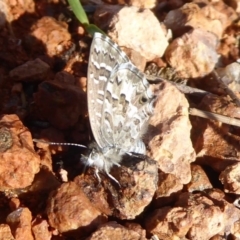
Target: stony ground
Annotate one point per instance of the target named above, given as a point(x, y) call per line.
point(186, 187)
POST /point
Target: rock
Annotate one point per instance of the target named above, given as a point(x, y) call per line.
point(136, 227)
point(168, 134)
point(231, 213)
point(136, 58)
point(18, 161)
point(14, 203)
point(199, 181)
point(113, 230)
point(197, 51)
point(208, 133)
point(230, 178)
point(5, 14)
point(51, 36)
point(40, 229)
point(168, 190)
point(20, 223)
point(100, 195)
point(169, 223)
point(35, 70)
point(195, 216)
point(44, 182)
point(60, 104)
point(17, 88)
point(138, 179)
point(132, 34)
point(64, 77)
point(235, 230)
point(136, 3)
point(218, 11)
point(230, 75)
point(50, 135)
point(5, 232)
point(211, 17)
point(69, 209)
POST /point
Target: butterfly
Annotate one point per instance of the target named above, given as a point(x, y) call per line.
point(120, 104)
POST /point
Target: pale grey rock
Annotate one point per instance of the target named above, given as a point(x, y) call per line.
point(143, 32)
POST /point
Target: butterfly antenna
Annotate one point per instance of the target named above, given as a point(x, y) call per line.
point(56, 143)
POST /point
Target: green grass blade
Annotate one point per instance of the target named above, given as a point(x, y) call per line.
point(80, 14)
point(78, 10)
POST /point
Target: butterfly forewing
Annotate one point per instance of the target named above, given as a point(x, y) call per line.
point(104, 57)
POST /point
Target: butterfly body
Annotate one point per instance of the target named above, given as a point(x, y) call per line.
point(120, 103)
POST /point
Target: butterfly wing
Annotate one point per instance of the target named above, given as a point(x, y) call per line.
point(104, 56)
point(127, 105)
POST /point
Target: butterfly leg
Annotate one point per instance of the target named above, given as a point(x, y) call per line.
point(108, 174)
point(113, 178)
point(97, 175)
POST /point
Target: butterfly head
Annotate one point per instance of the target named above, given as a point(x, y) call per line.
point(102, 158)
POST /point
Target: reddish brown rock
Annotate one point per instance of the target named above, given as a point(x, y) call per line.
point(167, 222)
point(190, 15)
point(50, 135)
point(136, 228)
point(209, 16)
point(138, 179)
point(18, 161)
point(64, 77)
point(231, 212)
point(199, 181)
point(17, 88)
point(216, 144)
point(197, 51)
point(136, 3)
point(14, 203)
point(100, 195)
point(138, 182)
point(113, 230)
point(20, 224)
point(52, 36)
point(235, 230)
point(5, 232)
point(35, 70)
point(45, 156)
point(169, 187)
point(168, 135)
point(219, 11)
point(5, 14)
point(230, 178)
point(69, 209)
point(60, 104)
point(45, 181)
point(40, 229)
point(195, 216)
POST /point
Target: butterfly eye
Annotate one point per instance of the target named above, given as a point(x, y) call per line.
point(143, 100)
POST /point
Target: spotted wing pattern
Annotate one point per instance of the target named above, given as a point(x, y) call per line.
point(119, 98)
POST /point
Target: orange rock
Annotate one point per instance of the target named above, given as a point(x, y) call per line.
point(20, 223)
point(69, 209)
point(19, 163)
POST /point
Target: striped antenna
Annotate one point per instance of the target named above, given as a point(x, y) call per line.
point(61, 144)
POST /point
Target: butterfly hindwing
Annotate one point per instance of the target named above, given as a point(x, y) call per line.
point(126, 109)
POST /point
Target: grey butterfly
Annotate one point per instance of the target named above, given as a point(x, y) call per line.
point(120, 103)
